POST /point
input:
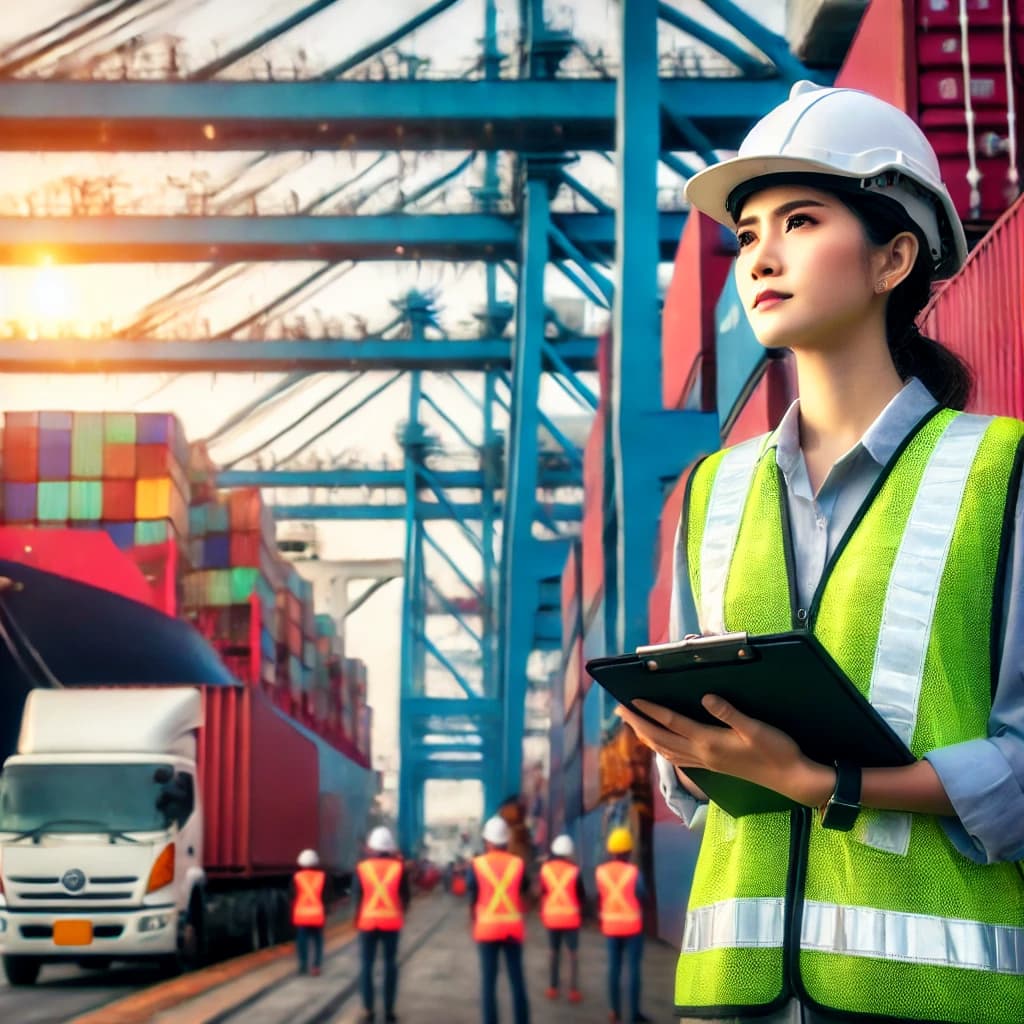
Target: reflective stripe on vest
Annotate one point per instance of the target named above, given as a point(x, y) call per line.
point(308, 908)
point(499, 913)
point(905, 609)
point(725, 507)
point(560, 907)
point(860, 931)
point(621, 913)
point(381, 906)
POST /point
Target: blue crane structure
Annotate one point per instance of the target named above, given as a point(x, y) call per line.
point(463, 706)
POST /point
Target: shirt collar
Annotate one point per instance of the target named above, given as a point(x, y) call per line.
point(881, 440)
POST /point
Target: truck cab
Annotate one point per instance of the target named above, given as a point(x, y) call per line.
point(101, 831)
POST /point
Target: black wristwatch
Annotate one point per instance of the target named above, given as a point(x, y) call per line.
point(842, 807)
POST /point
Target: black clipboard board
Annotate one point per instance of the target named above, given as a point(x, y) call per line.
point(786, 679)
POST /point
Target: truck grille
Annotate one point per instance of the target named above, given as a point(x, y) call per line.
point(71, 897)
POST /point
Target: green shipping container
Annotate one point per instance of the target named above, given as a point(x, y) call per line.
point(53, 501)
point(217, 587)
point(152, 531)
point(87, 499)
point(119, 427)
point(243, 583)
point(87, 446)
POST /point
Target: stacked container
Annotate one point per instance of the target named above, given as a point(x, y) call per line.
point(123, 473)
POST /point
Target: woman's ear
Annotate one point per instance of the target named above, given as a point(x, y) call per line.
point(898, 258)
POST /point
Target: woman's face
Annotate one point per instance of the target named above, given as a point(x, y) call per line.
point(805, 272)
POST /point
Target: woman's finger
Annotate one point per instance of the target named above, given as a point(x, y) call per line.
point(671, 720)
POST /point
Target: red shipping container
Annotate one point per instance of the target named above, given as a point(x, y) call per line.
point(995, 190)
point(946, 88)
point(978, 315)
point(945, 49)
point(119, 501)
point(245, 549)
point(661, 592)
point(881, 58)
point(21, 453)
point(593, 515)
point(153, 461)
point(688, 324)
point(119, 461)
point(946, 13)
point(245, 508)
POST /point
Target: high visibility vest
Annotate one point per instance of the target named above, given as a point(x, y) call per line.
point(499, 908)
point(308, 908)
point(560, 905)
point(888, 919)
point(621, 913)
point(380, 908)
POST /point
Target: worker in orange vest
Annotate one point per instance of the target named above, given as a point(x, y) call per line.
point(562, 901)
point(620, 888)
point(496, 884)
point(308, 911)
point(380, 892)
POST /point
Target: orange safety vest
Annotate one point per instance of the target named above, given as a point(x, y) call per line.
point(308, 908)
point(560, 906)
point(499, 909)
point(381, 906)
point(621, 913)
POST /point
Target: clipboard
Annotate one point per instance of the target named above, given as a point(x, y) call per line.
point(785, 679)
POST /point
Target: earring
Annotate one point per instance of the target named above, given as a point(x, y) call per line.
point(882, 285)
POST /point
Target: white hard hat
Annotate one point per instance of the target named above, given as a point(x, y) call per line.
point(308, 859)
point(851, 135)
point(563, 846)
point(381, 840)
point(496, 831)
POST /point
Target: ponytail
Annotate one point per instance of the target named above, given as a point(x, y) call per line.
point(940, 370)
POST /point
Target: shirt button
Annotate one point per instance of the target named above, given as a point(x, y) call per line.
point(801, 615)
point(821, 522)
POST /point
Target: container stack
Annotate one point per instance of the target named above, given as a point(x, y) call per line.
point(124, 473)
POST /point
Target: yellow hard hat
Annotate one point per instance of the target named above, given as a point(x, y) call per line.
point(620, 840)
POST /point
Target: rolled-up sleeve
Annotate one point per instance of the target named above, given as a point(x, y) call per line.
point(681, 621)
point(984, 778)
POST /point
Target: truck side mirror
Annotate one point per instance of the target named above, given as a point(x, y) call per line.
point(177, 799)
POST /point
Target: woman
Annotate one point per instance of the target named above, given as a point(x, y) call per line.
point(885, 522)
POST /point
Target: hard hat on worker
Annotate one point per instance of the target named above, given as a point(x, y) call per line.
point(308, 859)
point(496, 831)
point(860, 142)
point(562, 846)
point(381, 840)
point(620, 840)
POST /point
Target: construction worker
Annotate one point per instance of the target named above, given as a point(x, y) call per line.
point(308, 911)
point(562, 900)
point(380, 893)
point(620, 889)
point(496, 884)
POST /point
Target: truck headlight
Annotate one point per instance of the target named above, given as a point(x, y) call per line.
point(153, 922)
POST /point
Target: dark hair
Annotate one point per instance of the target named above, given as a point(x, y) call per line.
point(941, 370)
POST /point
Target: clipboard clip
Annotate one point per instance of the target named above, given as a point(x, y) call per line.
point(699, 650)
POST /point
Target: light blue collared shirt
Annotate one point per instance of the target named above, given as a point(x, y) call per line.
point(984, 778)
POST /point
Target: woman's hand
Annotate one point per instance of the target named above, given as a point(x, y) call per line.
point(746, 748)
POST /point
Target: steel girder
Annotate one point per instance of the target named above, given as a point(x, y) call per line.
point(86, 355)
point(432, 511)
point(228, 239)
point(467, 479)
point(538, 116)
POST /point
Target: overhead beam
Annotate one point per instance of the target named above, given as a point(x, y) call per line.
point(527, 115)
point(389, 236)
point(467, 479)
point(463, 511)
point(234, 356)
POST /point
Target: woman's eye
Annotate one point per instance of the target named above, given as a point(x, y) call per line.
point(797, 219)
point(744, 238)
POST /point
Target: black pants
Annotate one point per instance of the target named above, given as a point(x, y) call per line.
point(368, 942)
point(571, 938)
point(489, 954)
point(305, 937)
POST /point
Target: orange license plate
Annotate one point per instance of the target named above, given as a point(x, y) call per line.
point(72, 933)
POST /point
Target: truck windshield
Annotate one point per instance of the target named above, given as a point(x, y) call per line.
point(81, 798)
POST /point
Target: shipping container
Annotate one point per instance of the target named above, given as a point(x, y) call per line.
point(739, 356)
point(771, 394)
point(593, 565)
point(661, 592)
point(702, 264)
point(978, 315)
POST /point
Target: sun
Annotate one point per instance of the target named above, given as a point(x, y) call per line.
point(51, 297)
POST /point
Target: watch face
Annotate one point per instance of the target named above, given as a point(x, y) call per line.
point(839, 816)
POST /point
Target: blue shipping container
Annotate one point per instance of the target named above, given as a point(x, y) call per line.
point(738, 354)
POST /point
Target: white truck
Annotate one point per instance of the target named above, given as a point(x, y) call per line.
point(162, 823)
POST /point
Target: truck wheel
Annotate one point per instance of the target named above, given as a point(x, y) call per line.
point(258, 928)
point(191, 943)
point(21, 970)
